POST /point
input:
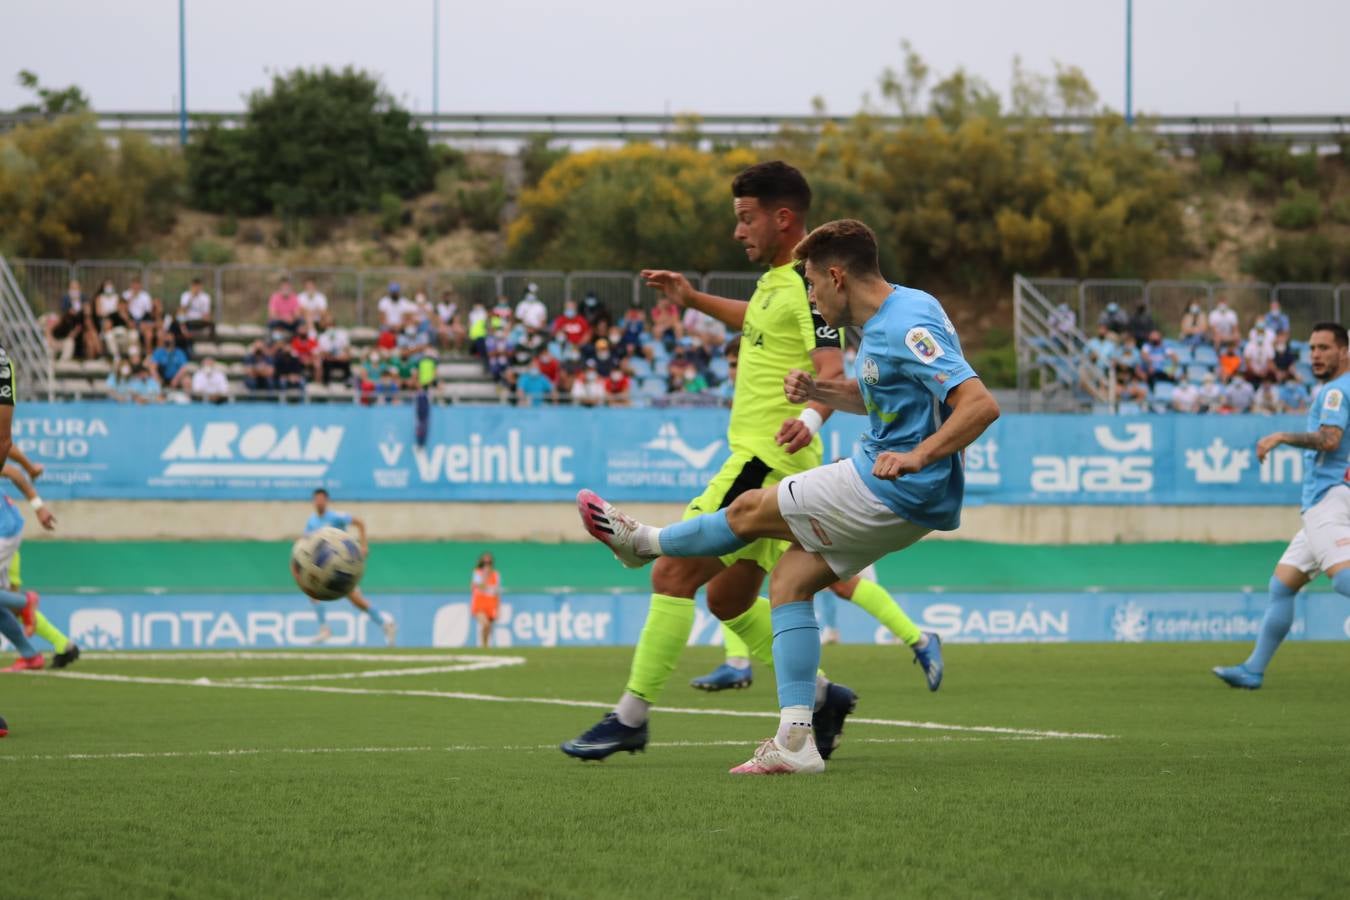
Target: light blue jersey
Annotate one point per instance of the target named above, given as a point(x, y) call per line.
point(329, 519)
point(908, 361)
point(11, 518)
point(1323, 471)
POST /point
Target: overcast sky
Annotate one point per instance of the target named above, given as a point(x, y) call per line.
point(1191, 56)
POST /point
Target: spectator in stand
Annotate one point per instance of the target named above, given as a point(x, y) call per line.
point(386, 340)
point(1276, 322)
point(426, 312)
point(1229, 362)
point(450, 331)
point(144, 388)
point(120, 334)
point(1130, 387)
point(194, 313)
point(600, 355)
point(589, 390)
point(393, 307)
point(290, 371)
point(1211, 394)
point(305, 346)
point(498, 354)
point(572, 326)
point(1293, 397)
point(416, 336)
point(1103, 349)
point(478, 329)
point(1223, 324)
point(260, 368)
point(592, 309)
point(548, 365)
point(116, 383)
point(1186, 397)
point(1258, 356)
point(535, 388)
point(405, 366)
point(209, 383)
point(105, 306)
point(1283, 361)
point(666, 326)
point(1114, 318)
point(531, 311)
point(335, 349)
point(1063, 319)
point(1128, 358)
point(707, 332)
point(284, 312)
point(633, 333)
point(567, 379)
point(1194, 326)
point(501, 315)
point(1267, 399)
point(388, 386)
point(1159, 362)
point(366, 375)
point(1142, 324)
point(618, 387)
point(526, 346)
point(73, 326)
point(170, 363)
point(1238, 395)
point(313, 304)
point(142, 308)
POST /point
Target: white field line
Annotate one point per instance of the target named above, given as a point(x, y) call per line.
point(309, 656)
point(548, 701)
point(454, 748)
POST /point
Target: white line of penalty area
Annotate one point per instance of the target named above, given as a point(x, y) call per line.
point(453, 748)
point(547, 701)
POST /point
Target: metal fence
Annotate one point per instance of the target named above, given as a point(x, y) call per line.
point(240, 293)
point(22, 340)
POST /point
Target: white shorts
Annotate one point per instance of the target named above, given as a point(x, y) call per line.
point(8, 547)
point(1324, 539)
point(832, 513)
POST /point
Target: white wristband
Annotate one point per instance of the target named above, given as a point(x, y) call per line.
point(812, 419)
point(36, 503)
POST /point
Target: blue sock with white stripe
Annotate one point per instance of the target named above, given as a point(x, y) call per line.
point(320, 612)
point(12, 628)
point(1279, 618)
point(796, 653)
point(705, 535)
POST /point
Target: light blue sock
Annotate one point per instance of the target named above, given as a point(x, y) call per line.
point(320, 612)
point(827, 610)
point(11, 600)
point(1274, 627)
point(12, 628)
point(1341, 582)
point(705, 535)
point(796, 653)
point(375, 614)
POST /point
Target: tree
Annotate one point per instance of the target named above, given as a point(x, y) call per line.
point(51, 102)
point(318, 143)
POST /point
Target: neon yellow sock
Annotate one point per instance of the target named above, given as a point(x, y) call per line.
point(750, 635)
point(874, 599)
point(669, 623)
point(50, 633)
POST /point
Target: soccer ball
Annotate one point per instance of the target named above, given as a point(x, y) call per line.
point(327, 564)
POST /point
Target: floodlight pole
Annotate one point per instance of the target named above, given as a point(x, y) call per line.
point(182, 75)
point(435, 61)
point(1129, 62)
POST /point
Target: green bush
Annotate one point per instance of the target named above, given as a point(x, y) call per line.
point(1311, 257)
point(1298, 213)
point(413, 255)
point(391, 213)
point(1259, 183)
point(481, 207)
point(228, 226)
point(206, 252)
point(318, 143)
point(1211, 165)
point(1340, 211)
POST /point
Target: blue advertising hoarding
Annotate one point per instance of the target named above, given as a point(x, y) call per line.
point(505, 454)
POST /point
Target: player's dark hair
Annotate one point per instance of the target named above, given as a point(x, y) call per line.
point(847, 243)
point(1337, 330)
point(733, 347)
point(774, 184)
point(318, 491)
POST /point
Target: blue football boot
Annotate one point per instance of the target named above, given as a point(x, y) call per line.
point(607, 736)
point(930, 659)
point(828, 721)
point(1239, 677)
point(723, 678)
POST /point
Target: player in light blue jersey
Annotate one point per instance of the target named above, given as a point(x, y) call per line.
point(925, 405)
point(324, 517)
point(1323, 544)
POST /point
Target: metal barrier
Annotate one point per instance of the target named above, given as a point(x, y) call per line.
point(23, 340)
point(1048, 341)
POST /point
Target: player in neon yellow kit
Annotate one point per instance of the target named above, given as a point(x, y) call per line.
point(770, 439)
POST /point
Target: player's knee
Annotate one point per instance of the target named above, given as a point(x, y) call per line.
point(745, 513)
point(676, 577)
point(788, 587)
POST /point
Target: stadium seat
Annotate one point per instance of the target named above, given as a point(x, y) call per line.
point(227, 332)
point(1205, 355)
point(1128, 408)
point(1304, 354)
point(1184, 354)
point(98, 368)
point(652, 387)
point(460, 371)
point(362, 335)
point(1197, 373)
point(640, 366)
point(250, 332)
point(63, 367)
point(1304, 372)
point(719, 368)
point(231, 351)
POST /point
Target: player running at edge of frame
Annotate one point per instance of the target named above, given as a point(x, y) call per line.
point(769, 438)
point(1323, 543)
point(863, 590)
point(925, 405)
point(324, 517)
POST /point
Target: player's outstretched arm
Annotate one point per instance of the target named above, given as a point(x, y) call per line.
point(1326, 439)
point(360, 525)
point(842, 394)
point(973, 410)
point(43, 512)
point(678, 289)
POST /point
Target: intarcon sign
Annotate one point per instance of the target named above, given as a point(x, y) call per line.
point(504, 454)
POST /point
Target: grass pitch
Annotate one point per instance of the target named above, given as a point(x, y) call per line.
point(177, 779)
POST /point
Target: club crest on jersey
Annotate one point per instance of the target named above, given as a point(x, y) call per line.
point(1332, 400)
point(870, 373)
point(924, 345)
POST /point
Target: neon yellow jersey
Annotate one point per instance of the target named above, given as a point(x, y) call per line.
point(782, 329)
